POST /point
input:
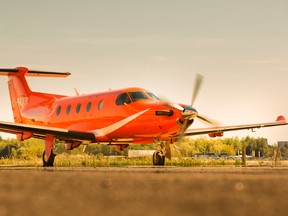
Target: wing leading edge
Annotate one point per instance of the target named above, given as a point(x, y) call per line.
point(42, 132)
point(219, 130)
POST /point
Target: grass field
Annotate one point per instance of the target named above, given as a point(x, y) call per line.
point(66, 160)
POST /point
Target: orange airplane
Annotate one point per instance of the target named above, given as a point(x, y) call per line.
point(119, 117)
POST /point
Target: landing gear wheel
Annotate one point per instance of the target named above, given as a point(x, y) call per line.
point(158, 159)
point(50, 161)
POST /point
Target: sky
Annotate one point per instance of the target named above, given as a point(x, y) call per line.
point(240, 47)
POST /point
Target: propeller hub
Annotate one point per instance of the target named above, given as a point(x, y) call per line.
point(189, 113)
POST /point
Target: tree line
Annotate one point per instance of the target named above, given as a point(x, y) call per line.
point(187, 147)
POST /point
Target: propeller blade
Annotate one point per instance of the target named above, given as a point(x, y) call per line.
point(183, 129)
point(197, 86)
point(209, 121)
point(174, 105)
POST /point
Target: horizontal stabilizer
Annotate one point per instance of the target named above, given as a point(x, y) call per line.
point(33, 73)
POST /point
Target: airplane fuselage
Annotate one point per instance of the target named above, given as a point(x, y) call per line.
point(96, 112)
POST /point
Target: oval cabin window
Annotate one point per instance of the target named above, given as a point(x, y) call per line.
point(88, 107)
point(100, 105)
point(58, 111)
point(68, 109)
point(78, 108)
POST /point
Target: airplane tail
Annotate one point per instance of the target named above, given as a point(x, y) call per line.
point(21, 95)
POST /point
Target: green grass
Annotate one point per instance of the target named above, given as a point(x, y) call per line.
point(21, 162)
point(67, 160)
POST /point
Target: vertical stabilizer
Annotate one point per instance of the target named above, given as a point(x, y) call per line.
point(21, 96)
point(19, 93)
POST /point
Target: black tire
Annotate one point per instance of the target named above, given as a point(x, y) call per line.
point(50, 162)
point(158, 159)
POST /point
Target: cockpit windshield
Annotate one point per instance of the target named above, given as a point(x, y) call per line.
point(153, 96)
point(136, 96)
point(125, 98)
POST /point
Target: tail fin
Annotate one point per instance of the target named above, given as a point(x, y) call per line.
point(21, 95)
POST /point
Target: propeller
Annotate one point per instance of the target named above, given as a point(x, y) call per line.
point(189, 113)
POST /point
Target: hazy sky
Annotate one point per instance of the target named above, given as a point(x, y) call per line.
point(241, 47)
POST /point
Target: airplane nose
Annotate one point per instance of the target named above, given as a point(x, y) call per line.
point(189, 113)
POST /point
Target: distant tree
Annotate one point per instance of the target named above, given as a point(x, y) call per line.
point(284, 151)
point(31, 148)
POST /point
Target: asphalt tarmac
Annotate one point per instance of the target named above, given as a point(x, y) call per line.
point(143, 191)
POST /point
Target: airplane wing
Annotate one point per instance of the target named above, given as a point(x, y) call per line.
point(219, 130)
point(71, 135)
point(42, 131)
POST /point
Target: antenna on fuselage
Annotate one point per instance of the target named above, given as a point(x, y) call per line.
point(76, 92)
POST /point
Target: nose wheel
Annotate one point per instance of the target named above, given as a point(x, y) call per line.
point(158, 159)
point(163, 151)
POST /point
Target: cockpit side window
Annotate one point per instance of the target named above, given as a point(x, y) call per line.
point(153, 96)
point(123, 99)
point(136, 96)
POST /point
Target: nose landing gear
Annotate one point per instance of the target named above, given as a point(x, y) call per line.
point(163, 151)
point(158, 159)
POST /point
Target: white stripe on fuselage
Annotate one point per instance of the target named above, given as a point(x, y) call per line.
point(111, 128)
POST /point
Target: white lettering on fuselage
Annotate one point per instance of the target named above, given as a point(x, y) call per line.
point(22, 101)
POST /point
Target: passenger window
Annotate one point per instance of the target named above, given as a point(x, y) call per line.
point(100, 105)
point(68, 109)
point(58, 111)
point(88, 107)
point(78, 108)
point(123, 99)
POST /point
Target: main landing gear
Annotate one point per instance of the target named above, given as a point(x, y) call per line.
point(163, 151)
point(48, 155)
point(50, 161)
